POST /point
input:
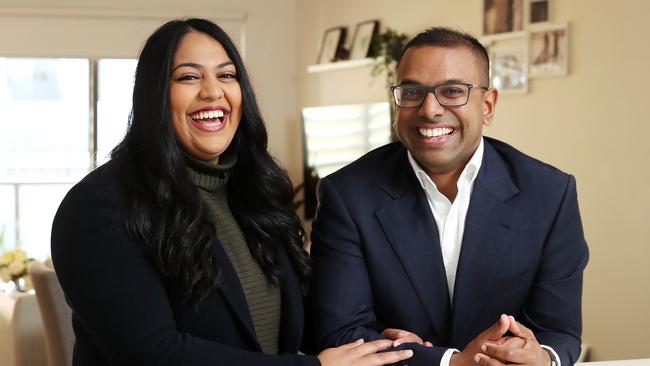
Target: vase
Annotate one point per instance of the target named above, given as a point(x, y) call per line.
point(20, 285)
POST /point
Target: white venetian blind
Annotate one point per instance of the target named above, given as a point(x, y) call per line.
point(338, 135)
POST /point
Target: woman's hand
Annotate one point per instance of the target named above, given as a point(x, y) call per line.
point(362, 354)
point(400, 336)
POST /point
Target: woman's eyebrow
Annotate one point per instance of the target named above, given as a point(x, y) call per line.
point(198, 66)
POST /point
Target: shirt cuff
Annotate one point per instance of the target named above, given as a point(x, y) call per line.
point(446, 357)
point(551, 352)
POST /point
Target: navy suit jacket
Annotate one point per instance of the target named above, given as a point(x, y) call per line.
point(126, 312)
point(378, 263)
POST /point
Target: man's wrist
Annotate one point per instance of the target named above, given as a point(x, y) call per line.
point(450, 357)
point(554, 359)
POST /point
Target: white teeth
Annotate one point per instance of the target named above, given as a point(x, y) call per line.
point(210, 124)
point(207, 115)
point(435, 132)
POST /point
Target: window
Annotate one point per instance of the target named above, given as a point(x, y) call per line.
point(337, 135)
point(46, 137)
point(114, 90)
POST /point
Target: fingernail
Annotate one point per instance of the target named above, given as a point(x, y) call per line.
point(396, 343)
point(408, 352)
point(484, 347)
point(477, 359)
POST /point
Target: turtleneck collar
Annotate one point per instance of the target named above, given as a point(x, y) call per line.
point(207, 176)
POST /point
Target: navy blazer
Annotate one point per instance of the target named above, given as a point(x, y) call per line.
point(126, 312)
point(378, 263)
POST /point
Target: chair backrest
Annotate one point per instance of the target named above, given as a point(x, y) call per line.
point(25, 337)
point(59, 337)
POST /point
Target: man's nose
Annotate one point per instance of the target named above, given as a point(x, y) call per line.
point(430, 106)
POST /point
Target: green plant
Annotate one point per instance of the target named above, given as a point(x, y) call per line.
point(387, 47)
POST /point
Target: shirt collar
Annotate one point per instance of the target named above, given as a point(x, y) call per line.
point(468, 174)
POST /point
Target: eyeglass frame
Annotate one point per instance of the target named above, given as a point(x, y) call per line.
point(432, 90)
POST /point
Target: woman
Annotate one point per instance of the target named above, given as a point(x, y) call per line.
point(184, 248)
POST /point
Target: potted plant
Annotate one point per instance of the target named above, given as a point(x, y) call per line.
point(14, 267)
point(386, 48)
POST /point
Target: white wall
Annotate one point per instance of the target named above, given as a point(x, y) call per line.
point(592, 123)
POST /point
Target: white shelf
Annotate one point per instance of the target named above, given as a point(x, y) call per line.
point(341, 65)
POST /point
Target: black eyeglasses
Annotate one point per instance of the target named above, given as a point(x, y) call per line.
point(448, 95)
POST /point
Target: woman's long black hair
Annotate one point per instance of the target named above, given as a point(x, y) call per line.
point(162, 209)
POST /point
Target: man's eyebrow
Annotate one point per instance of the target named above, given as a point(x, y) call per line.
point(409, 82)
point(448, 81)
point(199, 66)
point(453, 81)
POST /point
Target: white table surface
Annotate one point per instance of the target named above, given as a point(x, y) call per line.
point(637, 362)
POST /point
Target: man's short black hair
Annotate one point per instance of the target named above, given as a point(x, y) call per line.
point(450, 38)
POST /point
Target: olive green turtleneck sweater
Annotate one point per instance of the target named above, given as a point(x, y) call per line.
point(264, 299)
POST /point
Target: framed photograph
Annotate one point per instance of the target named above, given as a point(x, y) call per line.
point(549, 50)
point(509, 64)
point(332, 44)
point(503, 16)
point(538, 11)
point(362, 40)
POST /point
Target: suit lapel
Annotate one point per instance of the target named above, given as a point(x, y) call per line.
point(234, 294)
point(488, 227)
point(292, 316)
point(411, 230)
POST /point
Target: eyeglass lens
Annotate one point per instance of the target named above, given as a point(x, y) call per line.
point(446, 94)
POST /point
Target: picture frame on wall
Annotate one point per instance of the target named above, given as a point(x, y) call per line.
point(549, 50)
point(362, 40)
point(539, 11)
point(332, 45)
point(508, 63)
point(503, 16)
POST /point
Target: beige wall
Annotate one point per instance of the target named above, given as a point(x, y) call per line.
point(591, 123)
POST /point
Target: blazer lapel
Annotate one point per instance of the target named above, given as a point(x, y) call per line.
point(488, 227)
point(292, 318)
point(234, 294)
point(411, 230)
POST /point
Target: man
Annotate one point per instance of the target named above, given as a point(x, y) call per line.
point(436, 236)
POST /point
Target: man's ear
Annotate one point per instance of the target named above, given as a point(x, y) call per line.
point(489, 105)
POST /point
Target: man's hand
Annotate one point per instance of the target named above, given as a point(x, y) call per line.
point(493, 334)
point(399, 336)
point(495, 354)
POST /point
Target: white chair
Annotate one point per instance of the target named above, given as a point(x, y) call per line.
point(59, 337)
point(22, 342)
point(584, 353)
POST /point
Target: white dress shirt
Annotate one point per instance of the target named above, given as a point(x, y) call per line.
point(450, 219)
point(450, 216)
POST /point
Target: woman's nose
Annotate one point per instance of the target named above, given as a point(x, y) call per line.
point(211, 90)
